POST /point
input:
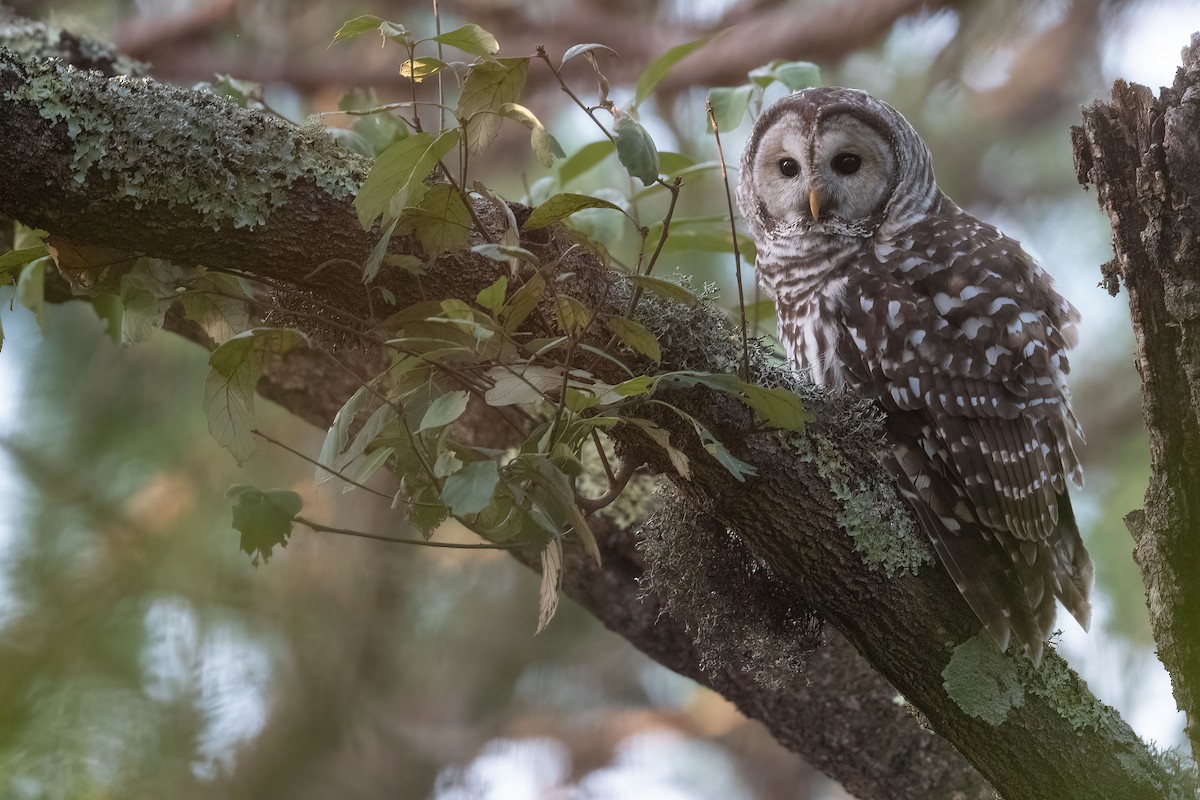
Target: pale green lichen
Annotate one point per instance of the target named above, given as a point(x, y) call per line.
point(984, 682)
point(35, 40)
point(159, 144)
point(1065, 692)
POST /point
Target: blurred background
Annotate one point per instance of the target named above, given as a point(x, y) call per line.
point(142, 656)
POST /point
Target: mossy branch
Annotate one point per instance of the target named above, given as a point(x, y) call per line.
point(192, 178)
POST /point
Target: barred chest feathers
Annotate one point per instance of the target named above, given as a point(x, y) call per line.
point(809, 285)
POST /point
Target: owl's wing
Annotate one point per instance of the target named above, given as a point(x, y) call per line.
point(963, 341)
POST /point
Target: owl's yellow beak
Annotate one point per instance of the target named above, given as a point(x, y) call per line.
point(814, 203)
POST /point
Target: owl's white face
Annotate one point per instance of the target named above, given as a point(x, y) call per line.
point(835, 166)
point(833, 161)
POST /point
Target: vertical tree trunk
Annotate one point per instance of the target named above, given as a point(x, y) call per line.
point(1143, 156)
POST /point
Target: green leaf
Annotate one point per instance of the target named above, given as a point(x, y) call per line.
point(444, 410)
point(729, 106)
point(551, 584)
point(215, 303)
point(426, 510)
point(371, 431)
point(580, 49)
point(635, 337)
point(419, 69)
point(396, 178)
point(488, 87)
point(31, 289)
point(521, 385)
point(263, 518)
point(523, 301)
point(584, 159)
point(442, 222)
point(373, 262)
point(578, 401)
point(563, 205)
point(339, 432)
point(447, 464)
point(736, 467)
point(636, 150)
point(233, 374)
point(662, 438)
point(777, 407)
point(12, 261)
point(545, 146)
point(797, 75)
point(472, 39)
point(672, 163)
point(573, 316)
point(469, 490)
point(492, 298)
point(635, 387)
point(356, 27)
point(660, 66)
point(663, 288)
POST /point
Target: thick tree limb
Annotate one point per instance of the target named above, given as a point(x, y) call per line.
point(165, 157)
point(1143, 156)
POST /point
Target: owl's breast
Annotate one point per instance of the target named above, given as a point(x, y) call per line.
point(807, 277)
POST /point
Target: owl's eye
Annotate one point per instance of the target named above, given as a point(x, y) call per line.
point(847, 163)
point(789, 167)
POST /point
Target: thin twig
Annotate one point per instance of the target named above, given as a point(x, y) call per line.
point(615, 487)
point(319, 528)
point(737, 255)
point(325, 467)
point(437, 25)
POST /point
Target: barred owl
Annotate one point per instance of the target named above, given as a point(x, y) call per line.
point(884, 287)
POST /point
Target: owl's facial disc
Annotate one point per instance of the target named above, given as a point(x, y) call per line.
point(853, 168)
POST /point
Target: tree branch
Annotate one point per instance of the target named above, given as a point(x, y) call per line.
point(1143, 156)
point(198, 180)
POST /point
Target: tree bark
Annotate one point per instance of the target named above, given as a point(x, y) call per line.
point(1143, 156)
point(164, 157)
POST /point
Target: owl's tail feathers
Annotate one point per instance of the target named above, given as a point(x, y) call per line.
point(1073, 569)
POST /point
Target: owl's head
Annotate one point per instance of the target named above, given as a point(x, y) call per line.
point(832, 159)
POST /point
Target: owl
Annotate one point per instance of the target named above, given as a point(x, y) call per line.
point(887, 289)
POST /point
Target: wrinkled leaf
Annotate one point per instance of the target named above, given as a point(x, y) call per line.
point(573, 316)
point(636, 150)
point(551, 583)
point(580, 49)
point(264, 519)
point(489, 86)
point(563, 205)
point(442, 222)
point(233, 374)
point(419, 69)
